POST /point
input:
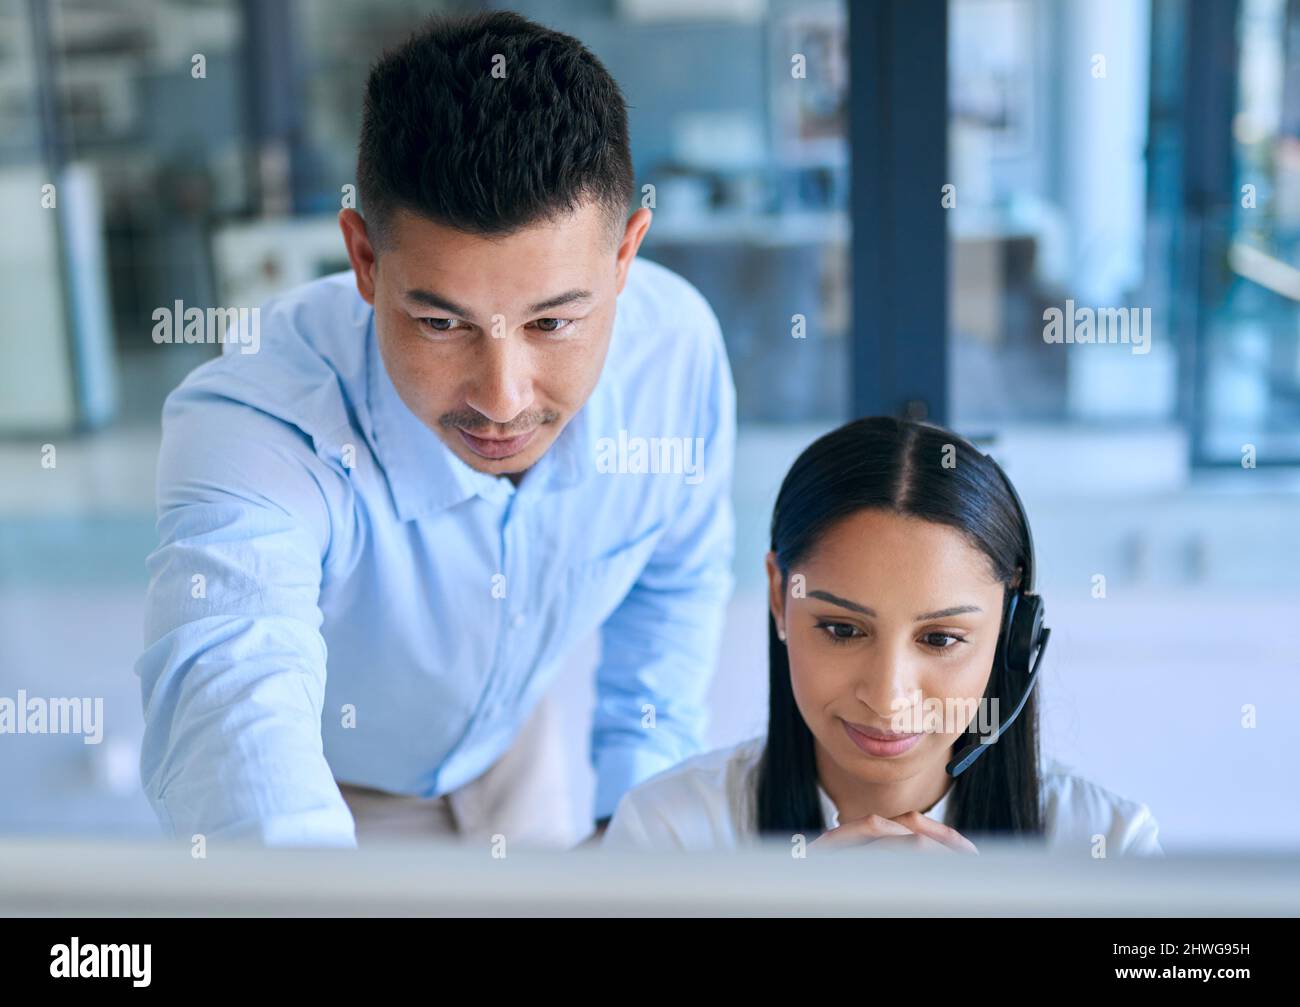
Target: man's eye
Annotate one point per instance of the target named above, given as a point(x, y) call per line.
point(553, 324)
point(438, 324)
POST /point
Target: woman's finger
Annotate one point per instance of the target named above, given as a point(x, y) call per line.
point(860, 831)
point(917, 822)
point(915, 841)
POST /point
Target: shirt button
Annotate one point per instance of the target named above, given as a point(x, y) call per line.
point(517, 620)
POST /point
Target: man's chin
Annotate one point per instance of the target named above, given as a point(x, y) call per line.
point(502, 467)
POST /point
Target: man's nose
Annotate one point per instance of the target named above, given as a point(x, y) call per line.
point(503, 387)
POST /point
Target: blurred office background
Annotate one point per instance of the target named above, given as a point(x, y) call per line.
point(1119, 153)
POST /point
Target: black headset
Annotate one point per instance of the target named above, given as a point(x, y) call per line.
point(1021, 644)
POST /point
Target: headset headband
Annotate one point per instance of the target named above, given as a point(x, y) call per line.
point(1027, 580)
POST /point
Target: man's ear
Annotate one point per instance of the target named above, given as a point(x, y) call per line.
point(361, 252)
point(633, 234)
point(775, 592)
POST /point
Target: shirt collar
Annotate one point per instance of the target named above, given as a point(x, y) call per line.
point(425, 476)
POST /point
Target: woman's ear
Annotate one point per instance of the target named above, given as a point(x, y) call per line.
point(776, 593)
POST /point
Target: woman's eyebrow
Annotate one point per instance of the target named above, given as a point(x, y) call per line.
point(943, 613)
point(842, 602)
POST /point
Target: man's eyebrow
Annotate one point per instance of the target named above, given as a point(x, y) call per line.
point(437, 301)
point(433, 300)
point(568, 297)
point(942, 613)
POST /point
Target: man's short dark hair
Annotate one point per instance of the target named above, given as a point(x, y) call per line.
point(445, 139)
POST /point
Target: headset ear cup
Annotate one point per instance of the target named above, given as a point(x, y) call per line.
point(1024, 630)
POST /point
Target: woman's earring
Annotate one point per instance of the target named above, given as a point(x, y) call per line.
point(780, 635)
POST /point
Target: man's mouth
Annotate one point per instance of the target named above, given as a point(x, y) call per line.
point(496, 448)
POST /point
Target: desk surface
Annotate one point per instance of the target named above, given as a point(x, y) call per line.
point(107, 878)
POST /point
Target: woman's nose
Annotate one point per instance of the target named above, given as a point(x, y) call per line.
point(889, 684)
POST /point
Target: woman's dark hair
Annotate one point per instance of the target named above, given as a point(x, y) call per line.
point(926, 472)
point(446, 138)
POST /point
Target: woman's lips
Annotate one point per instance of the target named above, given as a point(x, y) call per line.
point(494, 448)
point(884, 747)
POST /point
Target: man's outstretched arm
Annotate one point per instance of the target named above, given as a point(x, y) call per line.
point(233, 673)
point(660, 646)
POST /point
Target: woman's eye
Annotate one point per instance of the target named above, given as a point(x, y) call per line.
point(942, 641)
point(553, 324)
point(839, 632)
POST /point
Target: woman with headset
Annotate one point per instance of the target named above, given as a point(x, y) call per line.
point(904, 644)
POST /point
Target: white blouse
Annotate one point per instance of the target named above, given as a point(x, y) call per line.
point(707, 802)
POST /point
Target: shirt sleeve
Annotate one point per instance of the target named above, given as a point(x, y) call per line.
point(1079, 811)
point(1140, 836)
point(659, 647)
point(233, 672)
point(626, 831)
point(636, 827)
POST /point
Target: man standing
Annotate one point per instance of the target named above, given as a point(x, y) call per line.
point(383, 533)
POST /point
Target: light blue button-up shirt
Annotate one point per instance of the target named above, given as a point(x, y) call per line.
point(337, 596)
